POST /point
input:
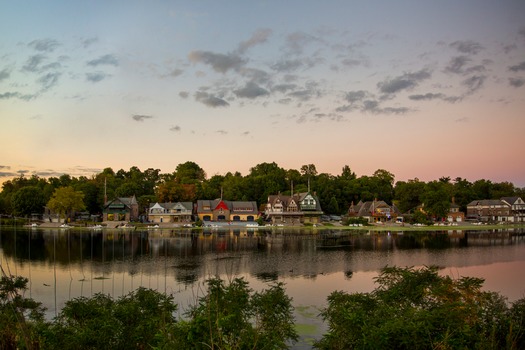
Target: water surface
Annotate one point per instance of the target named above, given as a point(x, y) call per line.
point(66, 263)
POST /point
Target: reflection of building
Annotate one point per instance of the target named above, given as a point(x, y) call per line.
point(121, 209)
point(374, 211)
point(222, 210)
point(510, 209)
point(299, 208)
point(171, 212)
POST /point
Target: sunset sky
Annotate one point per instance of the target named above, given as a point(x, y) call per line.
point(422, 89)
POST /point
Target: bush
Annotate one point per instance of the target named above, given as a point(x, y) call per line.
point(99, 322)
point(15, 310)
point(418, 309)
point(233, 317)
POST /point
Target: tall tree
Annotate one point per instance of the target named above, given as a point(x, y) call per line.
point(66, 200)
point(189, 172)
point(408, 194)
point(28, 200)
point(436, 199)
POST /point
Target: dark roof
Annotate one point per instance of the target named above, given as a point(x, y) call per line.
point(510, 200)
point(233, 206)
point(485, 202)
point(368, 207)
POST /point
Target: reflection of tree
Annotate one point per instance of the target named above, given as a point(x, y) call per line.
point(187, 278)
point(267, 276)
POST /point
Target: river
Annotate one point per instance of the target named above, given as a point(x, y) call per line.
point(62, 264)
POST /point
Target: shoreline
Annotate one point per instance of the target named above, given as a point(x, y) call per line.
point(312, 228)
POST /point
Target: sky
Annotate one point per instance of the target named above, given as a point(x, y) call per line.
point(422, 89)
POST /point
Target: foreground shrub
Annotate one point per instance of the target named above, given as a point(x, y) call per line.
point(227, 317)
point(234, 317)
point(418, 309)
point(99, 322)
point(15, 312)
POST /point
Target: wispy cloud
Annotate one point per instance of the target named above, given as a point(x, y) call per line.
point(44, 45)
point(251, 91)
point(5, 74)
point(516, 82)
point(457, 64)
point(96, 76)
point(33, 63)
point(88, 41)
point(107, 60)
point(210, 100)
point(219, 62)
point(467, 46)
point(141, 117)
point(49, 80)
point(406, 81)
point(259, 37)
point(434, 96)
point(175, 128)
point(297, 41)
point(18, 95)
point(518, 67)
point(474, 83)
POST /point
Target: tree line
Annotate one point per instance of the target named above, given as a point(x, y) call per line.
point(23, 196)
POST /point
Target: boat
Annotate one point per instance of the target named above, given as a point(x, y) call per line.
point(65, 226)
point(127, 226)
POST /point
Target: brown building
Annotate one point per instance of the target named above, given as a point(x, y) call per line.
point(374, 211)
point(121, 209)
point(296, 209)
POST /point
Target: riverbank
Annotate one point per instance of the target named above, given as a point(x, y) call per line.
point(122, 225)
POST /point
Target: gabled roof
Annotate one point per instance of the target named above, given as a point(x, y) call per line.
point(239, 206)
point(245, 207)
point(171, 205)
point(126, 201)
point(368, 207)
point(510, 200)
point(297, 198)
point(157, 206)
point(485, 202)
point(222, 205)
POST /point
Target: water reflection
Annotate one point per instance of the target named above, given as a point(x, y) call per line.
point(66, 263)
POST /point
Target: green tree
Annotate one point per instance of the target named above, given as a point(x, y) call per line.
point(131, 322)
point(66, 200)
point(408, 194)
point(211, 188)
point(419, 309)
point(436, 199)
point(189, 173)
point(234, 317)
point(18, 314)
point(28, 200)
point(463, 193)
